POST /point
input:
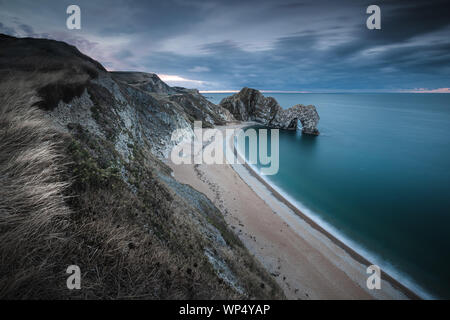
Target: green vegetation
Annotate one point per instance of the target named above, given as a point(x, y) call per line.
point(87, 170)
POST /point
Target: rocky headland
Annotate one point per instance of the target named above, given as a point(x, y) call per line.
point(250, 105)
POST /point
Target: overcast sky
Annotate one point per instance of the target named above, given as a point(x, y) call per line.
point(306, 45)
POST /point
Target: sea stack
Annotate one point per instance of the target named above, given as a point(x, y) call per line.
point(250, 105)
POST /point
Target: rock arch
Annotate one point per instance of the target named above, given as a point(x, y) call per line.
point(293, 124)
point(307, 115)
point(250, 105)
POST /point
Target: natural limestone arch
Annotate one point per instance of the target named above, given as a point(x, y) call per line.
point(250, 105)
point(288, 118)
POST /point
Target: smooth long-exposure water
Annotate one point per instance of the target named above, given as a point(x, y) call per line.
point(378, 176)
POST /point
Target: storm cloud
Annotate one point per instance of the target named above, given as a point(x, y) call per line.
point(269, 45)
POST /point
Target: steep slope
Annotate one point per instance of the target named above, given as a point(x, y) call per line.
point(82, 182)
point(250, 105)
point(145, 81)
point(194, 105)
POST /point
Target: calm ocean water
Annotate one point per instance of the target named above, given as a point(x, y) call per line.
point(378, 176)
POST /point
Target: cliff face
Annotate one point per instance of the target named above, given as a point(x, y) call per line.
point(111, 205)
point(251, 105)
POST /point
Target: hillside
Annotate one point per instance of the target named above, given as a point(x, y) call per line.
point(83, 182)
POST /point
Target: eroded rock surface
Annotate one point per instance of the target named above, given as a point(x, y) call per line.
point(250, 105)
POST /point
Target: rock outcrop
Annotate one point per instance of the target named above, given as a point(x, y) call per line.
point(251, 105)
point(149, 82)
point(120, 106)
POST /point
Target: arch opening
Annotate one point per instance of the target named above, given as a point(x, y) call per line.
point(293, 124)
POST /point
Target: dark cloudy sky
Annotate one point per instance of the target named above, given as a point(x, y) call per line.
point(306, 45)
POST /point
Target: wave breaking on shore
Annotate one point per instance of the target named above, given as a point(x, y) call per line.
point(356, 250)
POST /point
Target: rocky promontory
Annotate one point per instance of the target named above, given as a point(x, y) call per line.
point(250, 105)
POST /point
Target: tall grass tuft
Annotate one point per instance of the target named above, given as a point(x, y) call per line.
point(32, 207)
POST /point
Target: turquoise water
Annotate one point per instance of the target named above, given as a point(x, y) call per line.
point(378, 176)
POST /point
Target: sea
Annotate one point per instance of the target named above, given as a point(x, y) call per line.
point(377, 178)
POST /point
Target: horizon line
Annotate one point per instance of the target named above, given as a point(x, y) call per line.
point(416, 90)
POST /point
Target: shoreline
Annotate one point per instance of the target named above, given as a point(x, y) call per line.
point(307, 261)
point(352, 252)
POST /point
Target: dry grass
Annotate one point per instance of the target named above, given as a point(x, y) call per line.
point(32, 209)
